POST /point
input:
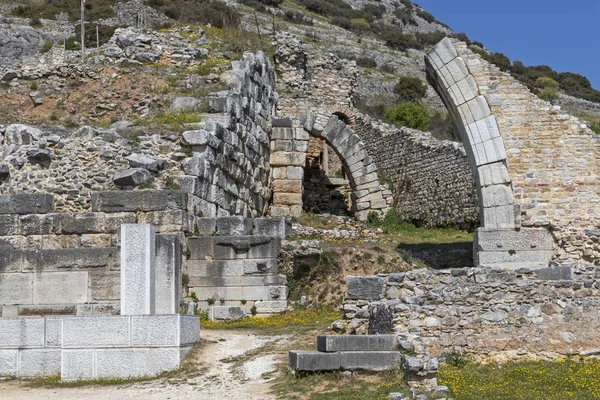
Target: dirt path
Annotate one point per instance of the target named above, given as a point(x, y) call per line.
point(229, 365)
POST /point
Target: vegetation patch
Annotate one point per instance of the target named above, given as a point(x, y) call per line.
point(298, 318)
point(333, 386)
point(576, 379)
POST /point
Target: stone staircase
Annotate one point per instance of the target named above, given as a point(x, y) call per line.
point(349, 353)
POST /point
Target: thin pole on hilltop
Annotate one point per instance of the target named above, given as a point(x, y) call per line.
point(82, 31)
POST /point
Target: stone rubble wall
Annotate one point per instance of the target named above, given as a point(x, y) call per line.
point(432, 181)
point(229, 171)
point(483, 312)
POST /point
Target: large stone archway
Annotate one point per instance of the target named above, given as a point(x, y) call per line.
point(501, 241)
point(289, 144)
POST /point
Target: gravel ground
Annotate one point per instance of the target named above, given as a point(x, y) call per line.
point(230, 365)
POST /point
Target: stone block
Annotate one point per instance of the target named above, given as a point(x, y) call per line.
point(489, 152)
point(138, 266)
point(155, 330)
point(280, 227)
point(189, 330)
point(445, 51)
point(287, 198)
point(9, 361)
point(167, 221)
point(71, 259)
point(60, 287)
point(77, 364)
point(270, 306)
point(497, 195)
point(16, 288)
point(554, 274)
point(124, 363)
point(287, 186)
point(493, 174)
point(233, 226)
point(138, 200)
point(10, 225)
point(201, 268)
point(515, 259)
point(89, 332)
point(23, 332)
point(282, 122)
point(293, 172)
point(314, 361)
point(53, 332)
point(333, 343)
point(260, 266)
point(226, 313)
point(301, 134)
point(34, 203)
point(282, 134)
point(457, 69)
point(206, 225)
point(284, 158)
point(500, 217)
point(167, 275)
point(11, 260)
point(365, 287)
point(510, 239)
point(370, 360)
point(39, 362)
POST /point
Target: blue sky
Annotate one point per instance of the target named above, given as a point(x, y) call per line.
point(562, 34)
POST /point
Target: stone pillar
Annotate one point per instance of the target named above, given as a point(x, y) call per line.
point(289, 143)
point(168, 274)
point(138, 260)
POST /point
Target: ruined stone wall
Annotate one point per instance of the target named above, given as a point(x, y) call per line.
point(432, 181)
point(550, 158)
point(229, 172)
point(67, 263)
point(484, 312)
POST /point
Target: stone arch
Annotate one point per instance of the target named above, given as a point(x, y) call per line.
point(450, 77)
point(500, 241)
point(360, 168)
point(345, 113)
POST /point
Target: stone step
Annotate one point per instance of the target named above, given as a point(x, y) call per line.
point(333, 343)
point(312, 361)
point(526, 239)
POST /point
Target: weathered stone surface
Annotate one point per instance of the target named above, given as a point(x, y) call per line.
point(26, 204)
point(367, 288)
point(333, 343)
point(314, 361)
point(370, 360)
point(133, 177)
point(138, 268)
point(226, 313)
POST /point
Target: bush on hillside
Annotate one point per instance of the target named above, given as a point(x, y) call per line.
point(297, 17)
point(214, 12)
point(376, 11)
point(374, 106)
point(409, 114)
point(425, 15)
point(405, 15)
point(395, 38)
point(366, 62)
point(94, 10)
point(431, 38)
point(410, 88)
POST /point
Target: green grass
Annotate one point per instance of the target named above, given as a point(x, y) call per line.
point(291, 320)
point(333, 386)
point(576, 379)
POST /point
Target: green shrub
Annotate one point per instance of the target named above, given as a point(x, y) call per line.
point(360, 24)
point(431, 38)
point(410, 88)
point(409, 114)
point(595, 126)
point(204, 12)
point(375, 10)
point(297, 17)
point(406, 16)
point(105, 32)
point(546, 82)
point(46, 47)
point(425, 15)
point(366, 62)
point(548, 93)
point(342, 22)
point(395, 38)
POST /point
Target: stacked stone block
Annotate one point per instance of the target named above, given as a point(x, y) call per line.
point(137, 343)
point(69, 263)
point(289, 143)
point(233, 265)
point(228, 172)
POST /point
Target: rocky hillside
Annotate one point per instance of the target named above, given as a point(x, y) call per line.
point(387, 40)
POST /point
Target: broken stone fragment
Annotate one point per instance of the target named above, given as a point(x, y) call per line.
point(133, 177)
